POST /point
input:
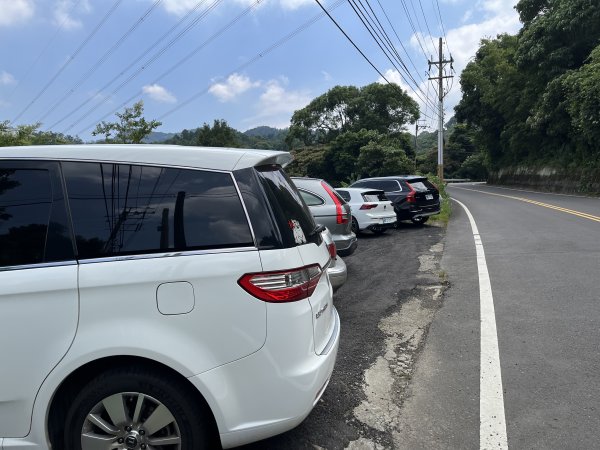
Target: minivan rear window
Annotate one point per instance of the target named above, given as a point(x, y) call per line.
point(290, 210)
point(121, 209)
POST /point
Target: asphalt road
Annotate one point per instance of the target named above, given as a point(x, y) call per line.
point(543, 258)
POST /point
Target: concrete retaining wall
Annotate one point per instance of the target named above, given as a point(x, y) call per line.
point(575, 181)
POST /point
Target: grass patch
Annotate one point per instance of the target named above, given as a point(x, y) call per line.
point(445, 208)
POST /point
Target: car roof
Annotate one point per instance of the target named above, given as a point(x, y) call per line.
point(215, 158)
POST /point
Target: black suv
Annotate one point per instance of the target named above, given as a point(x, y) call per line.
point(414, 197)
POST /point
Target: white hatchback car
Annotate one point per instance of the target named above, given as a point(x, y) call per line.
point(371, 210)
point(157, 297)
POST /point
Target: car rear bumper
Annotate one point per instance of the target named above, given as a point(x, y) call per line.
point(337, 274)
point(272, 390)
point(406, 213)
point(383, 226)
point(346, 244)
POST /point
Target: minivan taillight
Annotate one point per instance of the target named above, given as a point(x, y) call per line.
point(410, 198)
point(282, 286)
point(340, 214)
point(368, 206)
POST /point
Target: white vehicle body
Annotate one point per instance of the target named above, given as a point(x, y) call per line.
point(256, 367)
point(369, 212)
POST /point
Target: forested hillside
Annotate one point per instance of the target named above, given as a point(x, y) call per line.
point(533, 100)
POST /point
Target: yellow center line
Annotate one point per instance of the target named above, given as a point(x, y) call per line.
point(533, 202)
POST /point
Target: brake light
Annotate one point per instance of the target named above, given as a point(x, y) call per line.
point(368, 206)
point(282, 286)
point(410, 198)
point(332, 250)
point(340, 214)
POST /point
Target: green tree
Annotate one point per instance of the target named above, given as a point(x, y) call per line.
point(131, 128)
point(31, 135)
point(377, 159)
point(379, 107)
point(219, 135)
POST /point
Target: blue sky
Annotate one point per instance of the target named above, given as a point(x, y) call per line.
point(53, 65)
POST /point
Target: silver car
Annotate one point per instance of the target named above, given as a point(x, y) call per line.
point(337, 270)
point(329, 209)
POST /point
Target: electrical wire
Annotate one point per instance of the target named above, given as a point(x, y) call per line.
point(141, 56)
point(241, 67)
point(44, 50)
point(101, 60)
point(186, 57)
point(361, 16)
point(426, 22)
point(149, 61)
point(71, 58)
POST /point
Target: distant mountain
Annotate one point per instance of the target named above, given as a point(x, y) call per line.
point(265, 132)
point(156, 137)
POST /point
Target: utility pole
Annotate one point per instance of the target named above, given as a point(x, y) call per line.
point(417, 126)
point(441, 64)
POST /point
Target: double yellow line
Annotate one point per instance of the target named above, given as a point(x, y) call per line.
point(545, 205)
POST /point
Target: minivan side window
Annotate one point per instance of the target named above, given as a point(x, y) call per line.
point(122, 209)
point(33, 221)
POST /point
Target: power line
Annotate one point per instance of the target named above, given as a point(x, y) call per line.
point(151, 60)
point(44, 50)
point(241, 67)
point(133, 63)
point(71, 58)
point(426, 22)
point(184, 59)
point(393, 51)
point(101, 60)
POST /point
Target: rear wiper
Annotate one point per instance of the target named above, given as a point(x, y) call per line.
point(317, 229)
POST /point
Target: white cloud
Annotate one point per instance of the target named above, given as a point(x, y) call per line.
point(326, 75)
point(6, 78)
point(13, 12)
point(277, 104)
point(235, 85)
point(64, 11)
point(159, 93)
point(179, 7)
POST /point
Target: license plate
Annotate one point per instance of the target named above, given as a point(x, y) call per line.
point(428, 197)
point(389, 220)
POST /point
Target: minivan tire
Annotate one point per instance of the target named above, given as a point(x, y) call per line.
point(179, 410)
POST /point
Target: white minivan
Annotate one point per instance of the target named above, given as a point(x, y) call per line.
point(157, 297)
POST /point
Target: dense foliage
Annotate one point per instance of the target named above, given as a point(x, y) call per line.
point(31, 135)
point(534, 98)
point(220, 134)
point(350, 132)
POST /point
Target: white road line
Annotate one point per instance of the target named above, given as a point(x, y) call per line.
point(492, 423)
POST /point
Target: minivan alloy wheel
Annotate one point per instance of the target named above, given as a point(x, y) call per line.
point(130, 420)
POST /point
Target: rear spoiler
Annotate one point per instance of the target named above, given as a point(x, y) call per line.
point(258, 158)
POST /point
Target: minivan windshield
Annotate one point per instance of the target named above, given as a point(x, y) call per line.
point(291, 212)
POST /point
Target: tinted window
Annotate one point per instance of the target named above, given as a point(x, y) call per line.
point(311, 199)
point(344, 194)
point(288, 208)
point(374, 197)
point(33, 221)
point(422, 185)
point(384, 185)
point(123, 209)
